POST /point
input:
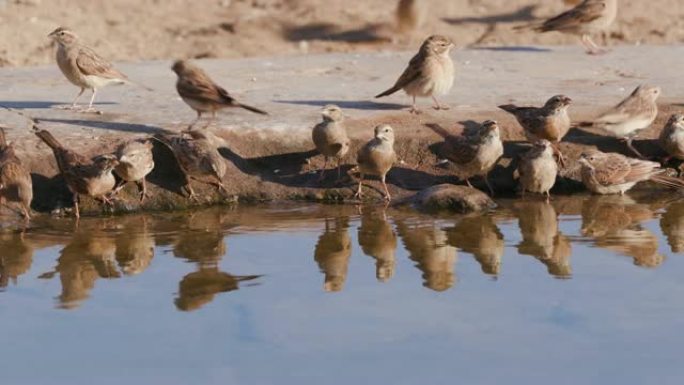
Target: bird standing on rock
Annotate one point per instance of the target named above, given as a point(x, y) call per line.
point(635, 113)
point(82, 175)
point(429, 73)
point(538, 169)
point(377, 157)
point(197, 89)
point(15, 181)
point(672, 137)
point(550, 122)
point(83, 67)
point(330, 137)
point(135, 162)
point(476, 154)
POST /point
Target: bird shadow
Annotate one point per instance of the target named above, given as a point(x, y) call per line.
point(346, 104)
point(526, 49)
point(49, 193)
point(648, 147)
point(166, 174)
point(32, 104)
point(330, 32)
point(105, 125)
point(525, 13)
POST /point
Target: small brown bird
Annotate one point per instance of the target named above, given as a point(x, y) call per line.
point(410, 14)
point(377, 157)
point(198, 158)
point(637, 112)
point(538, 169)
point(330, 137)
point(197, 89)
point(82, 66)
point(588, 18)
point(672, 137)
point(135, 162)
point(15, 181)
point(612, 173)
point(550, 122)
point(93, 178)
point(429, 73)
point(477, 154)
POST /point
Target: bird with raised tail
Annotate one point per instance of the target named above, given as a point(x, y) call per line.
point(199, 92)
point(377, 157)
point(330, 137)
point(83, 67)
point(430, 73)
point(588, 18)
point(538, 169)
point(612, 173)
point(632, 115)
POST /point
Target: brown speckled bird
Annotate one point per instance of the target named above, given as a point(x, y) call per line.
point(198, 158)
point(197, 89)
point(476, 154)
point(15, 181)
point(538, 169)
point(672, 137)
point(135, 162)
point(430, 73)
point(93, 178)
point(377, 157)
point(550, 122)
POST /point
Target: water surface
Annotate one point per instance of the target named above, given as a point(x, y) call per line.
point(582, 290)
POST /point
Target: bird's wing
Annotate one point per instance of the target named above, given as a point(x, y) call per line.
point(583, 13)
point(90, 63)
point(612, 170)
point(460, 149)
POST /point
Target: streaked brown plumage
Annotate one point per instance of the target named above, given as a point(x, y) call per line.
point(430, 72)
point(197, 89)
point(135, 163)
point(550, 122)
point(93, 178)
point(476, 154)
point(377, 157)
point(672, 137)
point(82, 66)
point(330, 137)
point(588, 18)
point(16, 186)
point(635, 113)
point(538, 169)
point(612, 173)
point(198, 158)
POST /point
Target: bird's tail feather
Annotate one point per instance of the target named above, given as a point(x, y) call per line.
point(510, 108)
point(388, 92)
point(50, 140)
point(668, 181)
point(253, 109)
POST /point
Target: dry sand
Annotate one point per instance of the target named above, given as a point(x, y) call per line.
point(163, 29)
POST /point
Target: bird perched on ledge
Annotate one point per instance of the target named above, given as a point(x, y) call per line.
point(330, 137)
point(429, 73)
point(93, 178)
point(550, 122)
point(135, 163)
point(538, 169)
point(611, 173)
point(15, 181)
point(672, 137)
point(197, 89)
point(588, 18)
point(83, 67)
point(377, 157)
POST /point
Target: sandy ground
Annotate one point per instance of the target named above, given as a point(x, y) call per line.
point(152, 29)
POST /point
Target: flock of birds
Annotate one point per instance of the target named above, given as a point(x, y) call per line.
point(430, 73)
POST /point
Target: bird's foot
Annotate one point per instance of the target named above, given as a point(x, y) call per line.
point(415, 111)
point(90, 110)
point(441, 107)
point(69, 107)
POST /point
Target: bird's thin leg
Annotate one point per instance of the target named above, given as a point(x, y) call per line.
point(359, 194)
point(592, 48)
point(489, 186)
point(388, 197)
point(339, 169)
point(73, 104)
point(211, 120)
point(325, 164)
point(78, 211)
point(26, 211)
point(92, 100)
point(414, 109)
point(197, 119)
point(548, 196)
point(468, 183)
point(142, 187)
point(438, 106)
point(631, 147)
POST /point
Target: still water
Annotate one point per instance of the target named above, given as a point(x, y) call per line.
point(584, 290)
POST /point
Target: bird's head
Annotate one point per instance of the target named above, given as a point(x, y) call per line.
point(63, 36)
point(489, 129)
point(106, 163)
point(647, 92)
point(385, 133)
point(437, 44)
point(558, 102)
point(332, 113)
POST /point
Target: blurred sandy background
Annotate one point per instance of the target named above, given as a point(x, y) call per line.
point(165, 29)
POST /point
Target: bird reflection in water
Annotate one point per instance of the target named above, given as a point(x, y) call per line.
point(479, 236)
point(16, 256)
point(378, 241)
point(333, 251)
point(541, 238)
point(202, 242)
point(428, 248)
point(134, 245)
point(672, 224)
point(614, 223)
